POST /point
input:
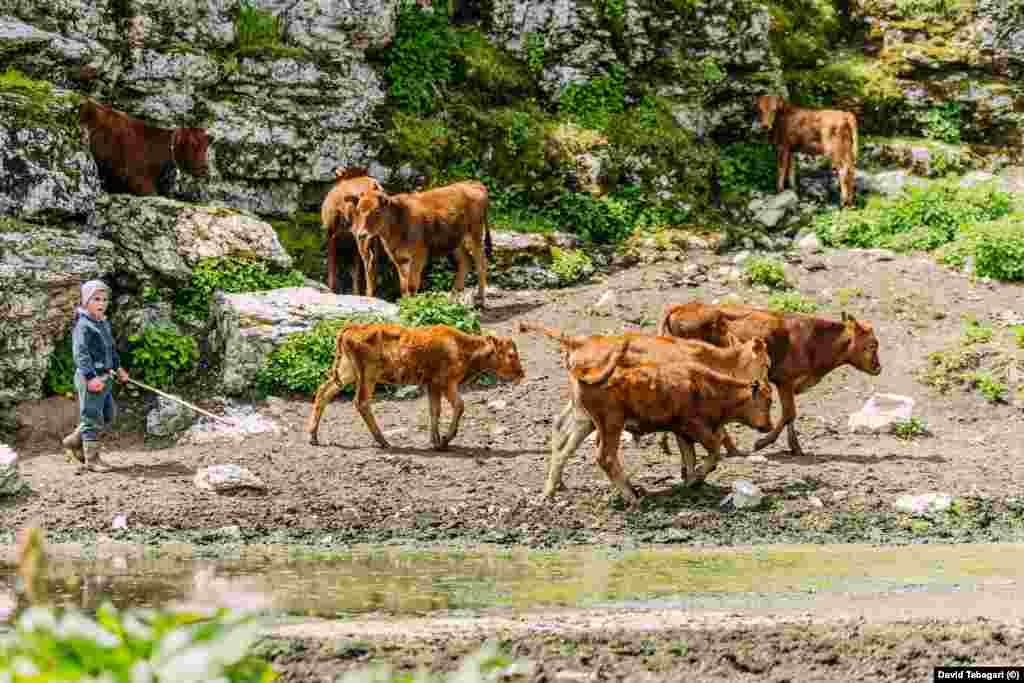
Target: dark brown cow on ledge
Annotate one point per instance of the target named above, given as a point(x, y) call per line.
point(336, 215)
point(416, 225)
point(803, 350)
point(814, 131)
point(438, 357)
point(138, 158)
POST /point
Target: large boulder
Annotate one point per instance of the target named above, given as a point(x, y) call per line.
point(41, 269)
point(160, 239)
point(10, 482)
point(248, 327)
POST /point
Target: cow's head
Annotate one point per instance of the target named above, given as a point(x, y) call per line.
point(861, 346)
point(767, 107)
point(374, 210)
point(190, 148)
point(342, 173)
point(504, 358)
point(754, 361)
point(756, 411)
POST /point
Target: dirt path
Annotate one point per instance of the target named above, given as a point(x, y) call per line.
point(487, 486)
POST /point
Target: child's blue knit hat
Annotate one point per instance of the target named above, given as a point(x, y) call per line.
point(90, 288)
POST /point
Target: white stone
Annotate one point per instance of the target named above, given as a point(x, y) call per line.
point(924, 503)
point(815, 502)
point(10, 482)
point(809, 242)
point(608, 301)
point(168, 418)
point(880, 413)
point(226, 477)
point(744, 495)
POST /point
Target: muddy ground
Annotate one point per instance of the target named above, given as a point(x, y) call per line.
point(486, 488)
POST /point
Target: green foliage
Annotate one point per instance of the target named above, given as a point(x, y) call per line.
point(479, 64)
point(418, 60)
point(1018, 333)
point(803, 31)
point(604, 220)
point(131, 645)
point(932, 9)
point(612, 9)
point(791, 302)
point(746, 166)
point(231, 275)
point(570, 265)
point(255, 28)
point(765, 271)
point(949, 368)
point(591, 104)
point(301, 362)
point(999, 249)
point(993, 391)
point(160, 355)
point(976, 333)
point(303, 237)
point(13, 80)
point(434, 308)
point(942, 122)
point(921, 218)
point(487, 665)
point(535, 52)
point(909, 429)
point(60, 373)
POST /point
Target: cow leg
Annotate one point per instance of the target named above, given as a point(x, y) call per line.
point(332, 263)
point(461, 268)
point(781, 166)
point(730, 446)
point(787, 396)
point(608, 458)
point(366, 255)
point(688, 460)
point(458, 405)
point(434, 394)
point(663, 442)
point(564, 444)
point(355, 271)
point(791, 168)
point(365, 386)
point(324, 395)
point(480, 259)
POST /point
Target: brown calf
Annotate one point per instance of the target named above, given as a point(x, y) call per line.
point(803, 350)
point(138, 158)
point(647, 384)
point(438, 357)
point(814, 131)
point(336, 215)
point(415, 225)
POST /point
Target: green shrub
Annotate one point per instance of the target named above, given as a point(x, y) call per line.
point(301, 362)
point(160, 355)
point(591, 104)
point(60, 373)
point(993, 391)
point(434, 308)
point(999, 250)
point(765, 271)
point(256, 28)
point(791, 302)
point(599, 219)
point(131, 645)
point(921, 218)
point(746, 166)
point(570, 265)
point(231, 275)
point(1018, 333)
point(418, 61)
point(534, 44)
point(909, 429)
point(976, 333)
point(942, 122)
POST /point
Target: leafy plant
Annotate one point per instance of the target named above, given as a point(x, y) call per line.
point(909, 429)
point(433, 308)
point(765, 271)
point(231, 275)
point(418, 60)
point(1018, 332)
point(592, 103)
point(598, 219)
point(942, 122)
point(60, 373)
point(791, 302)
point(534, 44)
point(132, 645)
point(256, 28)
point(571, 265)
point(991, 389)
point(976, 333)
point(160, 355)
point(948, 368)
point(746, 166)
point(999, 250)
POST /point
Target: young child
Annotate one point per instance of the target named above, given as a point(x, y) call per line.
point(96, 361)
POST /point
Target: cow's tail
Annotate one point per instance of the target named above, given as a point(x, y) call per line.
point(856, 147)
point(528, 327)
point(609, 368)
point(488, 245)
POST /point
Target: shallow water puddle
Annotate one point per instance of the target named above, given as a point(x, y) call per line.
point(400, 581)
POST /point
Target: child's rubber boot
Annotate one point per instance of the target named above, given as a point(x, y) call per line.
point(73, 446)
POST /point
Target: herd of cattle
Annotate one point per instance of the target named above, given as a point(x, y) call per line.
point(707, 366)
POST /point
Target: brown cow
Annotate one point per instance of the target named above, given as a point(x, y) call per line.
point(438, 357)
point(814, 131)
point(413, 226)
point(647, 384)
point(336, 216)
point(138, 158)
point(803, 350)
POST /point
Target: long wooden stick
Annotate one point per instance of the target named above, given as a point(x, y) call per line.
point(182, 402)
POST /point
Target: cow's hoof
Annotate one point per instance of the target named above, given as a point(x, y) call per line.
point(763, 443)
point(383, 444)
point(313, 441)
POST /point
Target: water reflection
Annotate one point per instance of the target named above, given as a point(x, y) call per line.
point(402, 581)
